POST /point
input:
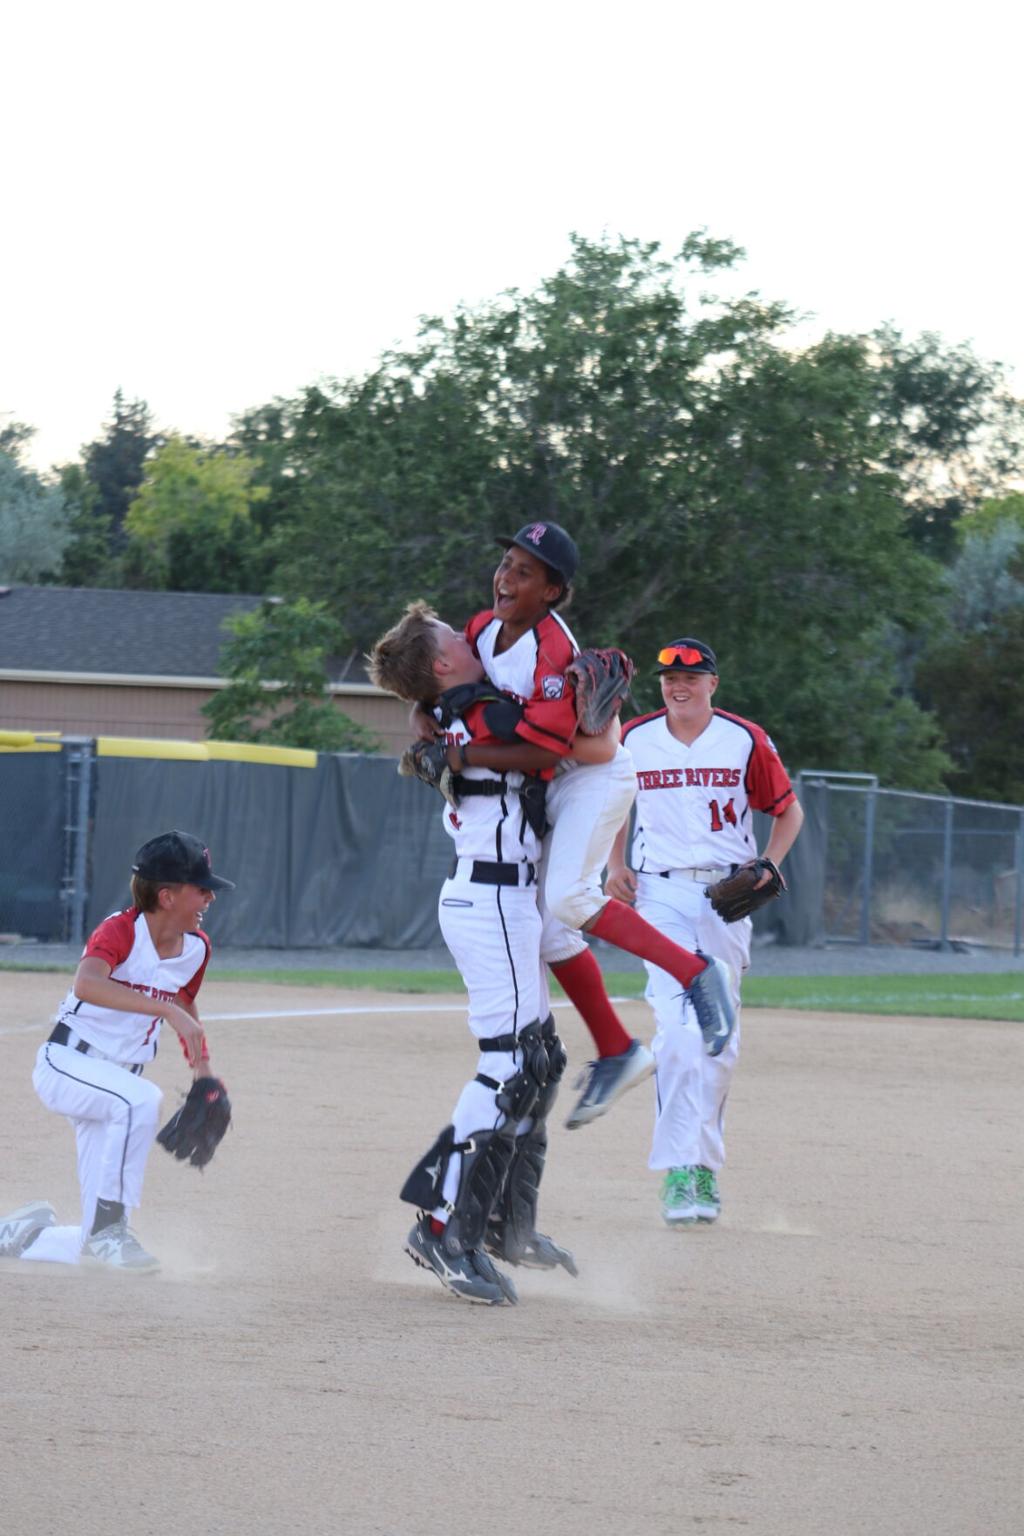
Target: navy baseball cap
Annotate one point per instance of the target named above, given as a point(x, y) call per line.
point(550, 543)
point(687, 656)
point(179, 859)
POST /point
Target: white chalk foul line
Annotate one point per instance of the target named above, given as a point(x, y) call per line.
point(318, 1013)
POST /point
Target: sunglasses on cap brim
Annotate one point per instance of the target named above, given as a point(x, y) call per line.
point(681, 655)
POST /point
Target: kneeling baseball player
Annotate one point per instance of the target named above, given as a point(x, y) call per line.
point(477, 1187)
point(140, 967)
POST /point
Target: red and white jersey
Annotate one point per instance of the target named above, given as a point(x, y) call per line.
point(534, 670)
point(124, 942)
point(693, 803)
point(490, 827)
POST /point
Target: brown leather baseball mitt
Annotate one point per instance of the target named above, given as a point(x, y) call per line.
point(601, 680)
point(738, 894)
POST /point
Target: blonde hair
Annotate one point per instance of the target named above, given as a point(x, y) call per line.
point(402, 661)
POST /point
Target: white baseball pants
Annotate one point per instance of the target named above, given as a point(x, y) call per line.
point(115, 1114)
point(692, 1087)
point(494, 933)
point(586, 807)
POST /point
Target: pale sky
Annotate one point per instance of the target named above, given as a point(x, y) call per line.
point(208, 205)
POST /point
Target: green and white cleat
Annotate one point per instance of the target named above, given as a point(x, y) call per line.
point(679, 1198)
point(709, 1202)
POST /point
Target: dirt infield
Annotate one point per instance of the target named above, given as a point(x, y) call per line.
point(841, 1355)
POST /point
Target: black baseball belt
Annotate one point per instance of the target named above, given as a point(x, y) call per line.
point(492, 872)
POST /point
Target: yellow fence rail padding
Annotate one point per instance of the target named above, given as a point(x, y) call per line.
point(204, 751)
point(253, 752)
point(140, 746)
point(29, 741)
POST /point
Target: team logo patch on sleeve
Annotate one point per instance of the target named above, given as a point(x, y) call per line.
point(552, 687)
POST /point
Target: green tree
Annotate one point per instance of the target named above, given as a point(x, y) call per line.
point(189, 526)
point(87, 559)
point(33, 518)
point(717, 483)
point(99, 490)
point(114, 462)
point(953, 432)
point(973, 681)
point(275, 660)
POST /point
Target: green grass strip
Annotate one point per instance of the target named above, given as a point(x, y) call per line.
point(940, 995)
point(936, 995)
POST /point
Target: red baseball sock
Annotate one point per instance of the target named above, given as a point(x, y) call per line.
point(619, 925)
point(581, 980)
point(436, 1227)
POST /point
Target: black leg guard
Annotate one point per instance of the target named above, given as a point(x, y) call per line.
point(513, 1234)
point(485, 1163)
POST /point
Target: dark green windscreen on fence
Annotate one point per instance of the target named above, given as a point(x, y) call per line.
point(32, 817)
point(346, 853)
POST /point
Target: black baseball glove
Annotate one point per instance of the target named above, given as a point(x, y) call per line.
point(739, 894)
point(428, 761)
point(195, 1131)
point(601, 679)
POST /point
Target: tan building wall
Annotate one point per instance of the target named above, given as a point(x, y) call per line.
point(171, 709)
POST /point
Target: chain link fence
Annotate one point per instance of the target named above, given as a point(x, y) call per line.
point(349, 853)
point(905, 868)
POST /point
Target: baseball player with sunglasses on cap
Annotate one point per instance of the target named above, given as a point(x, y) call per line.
point(700, 772)
point(526, 647)
point(140, 967)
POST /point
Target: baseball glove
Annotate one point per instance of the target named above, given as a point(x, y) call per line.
point(739, 894)
point(601, 679)
point(428, 760)
point(195, 1131)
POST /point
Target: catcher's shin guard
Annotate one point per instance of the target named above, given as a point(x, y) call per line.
point(513, 1234)
point(486, 1157)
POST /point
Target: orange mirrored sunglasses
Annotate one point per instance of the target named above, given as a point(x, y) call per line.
point(686, 655)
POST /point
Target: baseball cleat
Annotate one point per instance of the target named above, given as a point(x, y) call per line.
point(607, 1079)
point(709, 1202)
point(117, 1247)
point(19, 1228)
point(679, 1198)
point(538, 1252)
point(711, 996)
point(471, 1276)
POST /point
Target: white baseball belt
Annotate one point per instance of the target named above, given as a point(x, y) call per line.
point(706, 876)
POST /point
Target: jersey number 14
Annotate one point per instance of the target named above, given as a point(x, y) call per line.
point(720, 817)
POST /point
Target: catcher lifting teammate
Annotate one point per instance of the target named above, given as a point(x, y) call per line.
point(696, 877)
point(140, 967)
point(529, 651)
point(477, 1187)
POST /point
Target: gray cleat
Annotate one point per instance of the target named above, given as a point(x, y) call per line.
point(21, 1227)
point(471, 1276)
point(538, 1252)
point(605, 1080)
point(711, 996)
point(117, 1247)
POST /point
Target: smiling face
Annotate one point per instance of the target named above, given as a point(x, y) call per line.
point(687, 697)
point(523, 590)
point(184, 906)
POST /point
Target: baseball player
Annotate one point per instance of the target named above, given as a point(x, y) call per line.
point(525, 647)
point(140, 968)
point(477, 1187)
point(700, 772)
